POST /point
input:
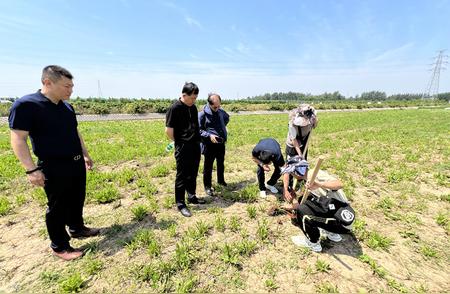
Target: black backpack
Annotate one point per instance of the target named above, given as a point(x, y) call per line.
point(331, 208)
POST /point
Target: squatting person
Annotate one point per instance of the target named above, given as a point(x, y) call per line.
point(265, 152)
point(325, 211)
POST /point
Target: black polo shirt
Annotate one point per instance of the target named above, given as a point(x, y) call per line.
point(184, 121)
point(52, 127)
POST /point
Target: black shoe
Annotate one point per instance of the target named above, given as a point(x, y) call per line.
point(209, 191)
point(85, 232)
point(223, 183)
point(195, 200)
point(185, 211)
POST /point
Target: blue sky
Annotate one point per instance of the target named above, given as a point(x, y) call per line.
point(236, 48)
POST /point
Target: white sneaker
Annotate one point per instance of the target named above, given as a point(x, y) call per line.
point(262, 194)
point(272, 189)
point(304, 242)
point(332, 236)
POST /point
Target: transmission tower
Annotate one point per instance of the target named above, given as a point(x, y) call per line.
point(99, 90)
point(432, 90)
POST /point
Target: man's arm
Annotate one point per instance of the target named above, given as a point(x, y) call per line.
point(260, 163)
point(331, 185)
point(87, 159)
point(169, 133)
point(297, 147)
point(203, 132)
point(22, 151)
point(286, 193)
point(293, 132)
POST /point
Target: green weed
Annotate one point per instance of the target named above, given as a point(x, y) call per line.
point(199, 231)
point(106, 195)
point(377, 241)
point(246, 247)
point(251, 211)
point(428, 251)
point(270, 284)
point(144, 238)
point(49, 277)
point(229, 254)
point(159, 171)
point(184, 255)
point(72, 283)
point(263, 230)
point(378, 270)
point(21, 199)
point(397, 285)
point(442, 219)
point(322, 266)
point(92, 266)
point(139, 212)
point(235, 224)
point(172, 230)
point(186, 284)
point(168, 202)
point(40, 196)
point(249, 194)
point(5, 206)
point(219, 223)
point(326, 287)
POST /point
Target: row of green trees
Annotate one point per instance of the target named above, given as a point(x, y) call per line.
point(278, 101)
point(336, 96)
point(104, 106)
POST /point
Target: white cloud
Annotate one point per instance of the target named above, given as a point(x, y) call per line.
point(242, 48)
point(193, 22)
point(392, 53)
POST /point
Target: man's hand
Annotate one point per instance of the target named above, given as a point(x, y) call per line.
point(88, 162)
point(213, 138)
point(266, 167)
point(37, 178)
point(289, 195)
point(312, 186)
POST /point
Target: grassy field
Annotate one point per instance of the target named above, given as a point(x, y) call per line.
point(395, 166)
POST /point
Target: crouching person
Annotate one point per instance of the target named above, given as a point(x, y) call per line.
point(265, 152)
point(326, 210)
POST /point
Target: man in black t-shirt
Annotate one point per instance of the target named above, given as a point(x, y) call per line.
point(265, 152)
point(182, 127)
point(51, 124)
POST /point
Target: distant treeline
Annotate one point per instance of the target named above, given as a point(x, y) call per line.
point(335, 96)
point(275, 101)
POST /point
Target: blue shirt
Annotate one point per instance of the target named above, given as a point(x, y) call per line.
point(213, 123)
point(52, 127)
point(268, 150)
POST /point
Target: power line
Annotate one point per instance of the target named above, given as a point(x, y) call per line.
point(432, 90)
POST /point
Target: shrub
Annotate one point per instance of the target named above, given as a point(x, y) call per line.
point(5, 206)
point(139, 212)
point(72, 283)
point(107, 195)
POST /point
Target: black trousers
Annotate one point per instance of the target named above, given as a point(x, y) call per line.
point(65, 186)
point(273, 179)
point(213, 152)
point(310, 224)
point(187, 156)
